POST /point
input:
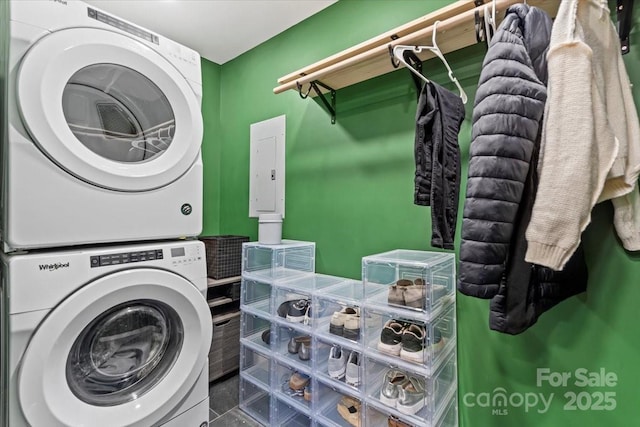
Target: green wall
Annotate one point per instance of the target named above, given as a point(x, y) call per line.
point(349, 187)
point(211, 146)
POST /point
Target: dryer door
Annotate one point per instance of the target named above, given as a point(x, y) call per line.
point(109, 110)
point(123, 350)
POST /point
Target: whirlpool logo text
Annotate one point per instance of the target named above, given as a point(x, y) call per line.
point(53, 267)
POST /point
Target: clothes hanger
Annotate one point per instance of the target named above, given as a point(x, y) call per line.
point(398, 51)
point(490, 22)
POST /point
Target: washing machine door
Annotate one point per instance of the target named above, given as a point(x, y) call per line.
point(108, 109)
point(123, 350)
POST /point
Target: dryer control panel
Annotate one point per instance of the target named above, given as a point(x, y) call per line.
point(126, 257)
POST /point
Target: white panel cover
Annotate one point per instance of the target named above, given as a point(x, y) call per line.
point(267, 167)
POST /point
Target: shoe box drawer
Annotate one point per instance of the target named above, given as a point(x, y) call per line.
point(335, 363)
point(292, 299)
point(335, 407)
point(290, 383)
point(293, 344)
point(287, 415)
point(292, 305)
point(255, 401)
point(255, 365)
point(377, 415)
point(256, 330)
point(278, 262)
point(450, 417)
point(337, 313)
point(413, 280)
point(256, 295)
point(409, 338)
point(408, 394)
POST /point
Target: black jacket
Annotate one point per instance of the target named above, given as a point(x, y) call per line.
point(503, 179)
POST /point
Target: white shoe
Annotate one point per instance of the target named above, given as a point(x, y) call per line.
point(337, 362)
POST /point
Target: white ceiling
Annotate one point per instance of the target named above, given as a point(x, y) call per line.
point(219, 30)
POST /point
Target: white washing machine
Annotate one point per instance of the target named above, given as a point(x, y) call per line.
point(105, 130)
point(110, 336)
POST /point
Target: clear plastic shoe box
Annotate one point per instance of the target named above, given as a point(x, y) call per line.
point(379, 416)
point(338, 316)
point(268, 263)
point(255, 400)
point(438, 336)
point(292, 345)
point(332, 405)
point(281, 385)
point(411, 288)
point(255, 330)
point(256, 366)
point(410, 280)
point(287, 415)
point(409, 395)
point(255, 296)
point(323, 350)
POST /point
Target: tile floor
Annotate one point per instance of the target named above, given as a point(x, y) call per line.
point(223, 404)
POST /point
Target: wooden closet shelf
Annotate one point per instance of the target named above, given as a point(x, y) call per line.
point(406, 29)
point(456, 30)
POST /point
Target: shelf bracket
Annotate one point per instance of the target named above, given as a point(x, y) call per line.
point(330, 106)
point(624, 11)
point(411, 59)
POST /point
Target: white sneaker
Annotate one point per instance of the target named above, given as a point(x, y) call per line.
point(337, 362)
point(353, 369)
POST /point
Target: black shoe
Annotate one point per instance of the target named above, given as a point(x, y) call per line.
point(283, 309)
point(297, 311)
point(266, 336)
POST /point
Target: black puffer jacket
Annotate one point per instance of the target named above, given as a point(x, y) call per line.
point(502, 182)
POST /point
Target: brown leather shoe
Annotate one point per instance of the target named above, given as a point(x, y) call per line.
point(298, 381)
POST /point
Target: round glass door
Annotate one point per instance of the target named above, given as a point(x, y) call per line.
point(109, 110)
point(118, 113)
point(124, 352)
point(124, 349)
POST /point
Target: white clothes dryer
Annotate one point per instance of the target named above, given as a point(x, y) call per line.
point(110, 336)
point(105, 130)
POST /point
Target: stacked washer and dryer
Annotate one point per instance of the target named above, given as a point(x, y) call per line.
point(104, 309)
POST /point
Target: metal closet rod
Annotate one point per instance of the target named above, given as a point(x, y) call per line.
point(409, 39)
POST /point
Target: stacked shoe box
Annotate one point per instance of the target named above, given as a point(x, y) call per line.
point(318, 350)
point(266, 269)
point(409, 334)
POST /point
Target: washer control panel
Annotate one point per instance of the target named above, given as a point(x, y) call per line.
point(126, 257)
point(185, 255)
point(179, 256)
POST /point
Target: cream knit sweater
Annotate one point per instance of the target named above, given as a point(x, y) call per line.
point(590, 149)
